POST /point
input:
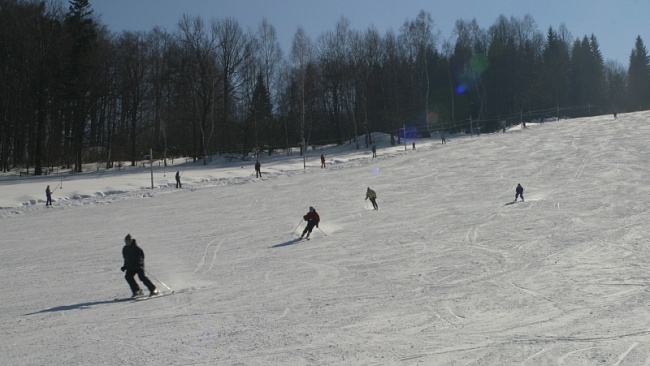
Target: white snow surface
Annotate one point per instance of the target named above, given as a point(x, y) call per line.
point(448, 271)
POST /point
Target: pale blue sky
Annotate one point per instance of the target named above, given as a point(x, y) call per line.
point(616, 23)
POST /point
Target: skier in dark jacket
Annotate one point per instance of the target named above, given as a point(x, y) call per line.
point(258, 172)
point(48, 196)
point(520, 192)
point(134, 264)
point(178, 180)
point(312, 219)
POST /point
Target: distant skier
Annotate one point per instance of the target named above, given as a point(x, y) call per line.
point(134, 264)
point(178, 180)
point(312, 219)
point(258, 172)
point(322, 161)
point(615, 116)
point(414, 146)
point(374, 151)
point(443, 138)
point(48, 196)
point(373, 196)
point(520, 192)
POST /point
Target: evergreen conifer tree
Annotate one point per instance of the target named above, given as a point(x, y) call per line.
point(639, 77)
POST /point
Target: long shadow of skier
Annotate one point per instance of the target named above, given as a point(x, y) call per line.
point(290, 242)
point(510, 203)
point(84, 305)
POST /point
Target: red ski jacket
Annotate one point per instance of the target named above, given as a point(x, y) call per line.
point(312, 218)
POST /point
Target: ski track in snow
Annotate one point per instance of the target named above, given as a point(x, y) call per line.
point(448, 271)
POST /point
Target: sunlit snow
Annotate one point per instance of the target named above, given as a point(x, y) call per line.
point(448, 271)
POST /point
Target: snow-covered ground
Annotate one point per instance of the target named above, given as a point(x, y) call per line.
point(448, 271)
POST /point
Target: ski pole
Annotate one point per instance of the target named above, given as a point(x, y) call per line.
point(321, 231)
point(60, 184)
point(154, 277)
point(294, 230)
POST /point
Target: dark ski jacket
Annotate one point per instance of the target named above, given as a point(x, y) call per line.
point(312, 218)
point(133, 257)
point(520, 190)
point(257, 166)
point(48, 192)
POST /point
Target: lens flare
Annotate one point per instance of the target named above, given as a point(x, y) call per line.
point(471, 72)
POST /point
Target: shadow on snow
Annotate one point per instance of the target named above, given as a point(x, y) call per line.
point(290, 242)
point(84, 305)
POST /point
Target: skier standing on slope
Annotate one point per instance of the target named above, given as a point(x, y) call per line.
point(134, 264)
point(48, 196)
point(520, 192)
point(372, 195)
point(258, 172)
point(312, 219)
point(322, 161)
point(178, 180)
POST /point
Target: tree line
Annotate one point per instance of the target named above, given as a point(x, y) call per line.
point(72, 92)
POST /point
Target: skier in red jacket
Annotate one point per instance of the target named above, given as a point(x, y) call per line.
point(312, 219)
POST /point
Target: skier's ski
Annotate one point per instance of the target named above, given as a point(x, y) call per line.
point(162, 294)
point(142, 297)
point(122, 299)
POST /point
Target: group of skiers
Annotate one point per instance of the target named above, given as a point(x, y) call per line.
point(258, 166)
point(134, 256)
point(313, 218)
